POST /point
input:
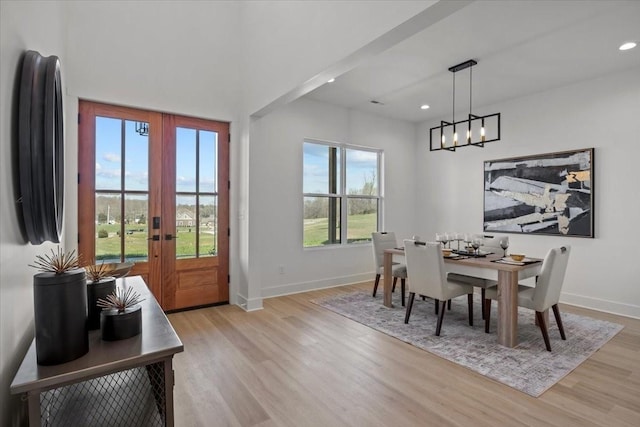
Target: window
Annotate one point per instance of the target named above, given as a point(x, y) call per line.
point(341, 193)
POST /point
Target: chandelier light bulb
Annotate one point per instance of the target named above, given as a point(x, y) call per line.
point(482, 133)
point(444, 140)
point(455, 138)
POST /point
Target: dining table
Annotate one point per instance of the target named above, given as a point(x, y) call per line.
point(507, 275)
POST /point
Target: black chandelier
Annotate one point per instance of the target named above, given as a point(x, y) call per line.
point(446, 135)
point(142, 128)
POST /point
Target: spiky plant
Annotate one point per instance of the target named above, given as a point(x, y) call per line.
point(120, 300)
point(58, 262)
point(97, 272)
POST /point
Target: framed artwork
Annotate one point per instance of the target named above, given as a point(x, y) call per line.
point(541, 194)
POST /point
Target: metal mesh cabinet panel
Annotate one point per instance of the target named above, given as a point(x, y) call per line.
point(134, 397)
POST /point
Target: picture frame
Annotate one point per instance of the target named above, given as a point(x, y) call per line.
point(548, 194)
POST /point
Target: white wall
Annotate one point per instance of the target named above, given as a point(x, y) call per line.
point(276, 167)
point(601, 113)
point(172, 57)
point(23, 26)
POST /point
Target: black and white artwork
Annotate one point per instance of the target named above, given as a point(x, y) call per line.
point(541, 194)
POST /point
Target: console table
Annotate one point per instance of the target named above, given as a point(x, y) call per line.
point(128, 382)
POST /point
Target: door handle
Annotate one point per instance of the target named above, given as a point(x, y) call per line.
point(169, 237)
point(154, 237)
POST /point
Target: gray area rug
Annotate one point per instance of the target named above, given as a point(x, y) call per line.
point(528, 367)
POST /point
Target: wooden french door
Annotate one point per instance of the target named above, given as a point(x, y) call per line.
point(153, 188)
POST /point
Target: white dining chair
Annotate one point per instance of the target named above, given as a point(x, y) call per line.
point(382, 241)
point(545, 294)
point(490, 244)
point(425, 267)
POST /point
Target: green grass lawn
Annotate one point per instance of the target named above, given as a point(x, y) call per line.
point(359, 228)
point(135, 242)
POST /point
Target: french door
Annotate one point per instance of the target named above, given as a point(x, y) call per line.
point(153, 189)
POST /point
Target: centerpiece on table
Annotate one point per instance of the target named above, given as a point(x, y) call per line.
point(121, 315)
point(60, 308)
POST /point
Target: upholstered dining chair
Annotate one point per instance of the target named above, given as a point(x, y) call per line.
point(545, 294)
point(382, 241)
point(490, 244)
point(425, 267)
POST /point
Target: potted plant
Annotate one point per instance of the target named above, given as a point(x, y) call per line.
point(121, 315)
point(100, 283)
point(60, 308)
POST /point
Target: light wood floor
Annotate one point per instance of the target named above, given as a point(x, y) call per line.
point(297, 364)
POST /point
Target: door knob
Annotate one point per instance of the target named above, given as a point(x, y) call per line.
point(169, 237)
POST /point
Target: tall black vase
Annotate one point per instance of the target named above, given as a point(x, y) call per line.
point(96, 291)
point(60, 311)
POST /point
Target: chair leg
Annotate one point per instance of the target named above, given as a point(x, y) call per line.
point(449, 304)
point(470, 303)
point(375, 285)
point(437, 303)
point(543, 328)
point(556, 313)
point(412, 296)
point(395, 280)
point(487, 314)
point(402, 290)
point(482, 290)
point(440, 317)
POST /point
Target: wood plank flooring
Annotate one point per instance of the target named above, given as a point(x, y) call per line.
point(297, 364)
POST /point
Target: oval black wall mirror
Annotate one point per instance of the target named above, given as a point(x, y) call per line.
point(41, 147)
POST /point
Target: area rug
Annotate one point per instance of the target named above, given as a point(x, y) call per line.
point(528, 367)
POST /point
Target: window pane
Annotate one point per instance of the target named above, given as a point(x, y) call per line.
point(321, 169)
point(362, 168)
point(362, 219)
point(185, 159)
point(108, 227)
point(136, 211)
point(208, 226)
point(186, 226)
point(321, 221)
point(108, 153)
point(136, 157)
point(208, 161)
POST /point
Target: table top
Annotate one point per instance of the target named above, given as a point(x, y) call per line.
point(157, 340)
point(481, 262)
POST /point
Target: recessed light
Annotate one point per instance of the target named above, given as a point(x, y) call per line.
point(424, 107)
point(627, 46)
point(331, 80)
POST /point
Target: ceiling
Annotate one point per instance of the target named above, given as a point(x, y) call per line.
point(522, 47)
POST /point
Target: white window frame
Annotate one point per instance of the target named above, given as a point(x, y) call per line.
point(342, 191)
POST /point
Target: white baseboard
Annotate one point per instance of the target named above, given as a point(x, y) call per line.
point(252, 304)
point(295, 288)
point(613, 307)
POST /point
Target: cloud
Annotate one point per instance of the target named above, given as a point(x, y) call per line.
point(111, 157)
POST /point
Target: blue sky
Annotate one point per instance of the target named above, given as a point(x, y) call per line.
point(109, 158)
point(360, 166)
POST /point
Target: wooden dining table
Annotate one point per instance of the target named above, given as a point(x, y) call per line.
point(507, 276)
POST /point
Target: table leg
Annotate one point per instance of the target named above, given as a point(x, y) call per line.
point(34, 409)
point(169, 381)
point(508, 308)
point(387, 281)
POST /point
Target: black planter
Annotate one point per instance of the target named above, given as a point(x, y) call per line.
point(60, 312)
point(95, 291)
point(117, 325)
